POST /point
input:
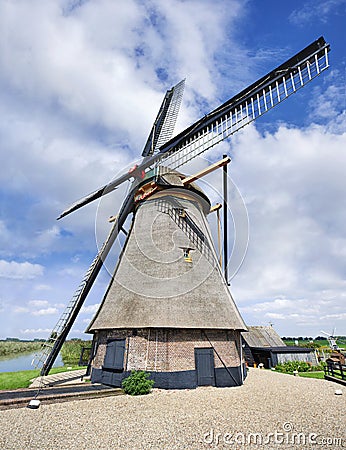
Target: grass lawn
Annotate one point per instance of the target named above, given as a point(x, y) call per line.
point(319, 374)
point(17, 380)
point(312, 375)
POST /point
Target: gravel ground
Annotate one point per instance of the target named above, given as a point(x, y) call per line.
point(206, 417)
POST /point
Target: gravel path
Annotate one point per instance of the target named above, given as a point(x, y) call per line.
point(190, 419)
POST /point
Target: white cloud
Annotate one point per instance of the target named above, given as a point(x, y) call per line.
point(36, 308)
point(21, 310)
point(20, 271)
point(327, 104)
point(293, 184)
point(90, 308)
point(38, 302)
point(60, 305)
point(275, 316)
point(316, 10)
point(80, 95)
point(4, 232)
point(43, 287)
point(45, 312)
point(35, 331)
point(341, 316)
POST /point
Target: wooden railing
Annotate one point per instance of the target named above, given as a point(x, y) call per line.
point(336, 370)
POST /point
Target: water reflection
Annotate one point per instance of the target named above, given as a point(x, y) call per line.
point(23, 362)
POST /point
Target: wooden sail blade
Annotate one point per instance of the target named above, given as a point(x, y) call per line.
point(50, 349)
point(166, 119)
point(90, 198)
point(248, 105)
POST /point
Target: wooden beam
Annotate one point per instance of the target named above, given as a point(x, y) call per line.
point(215, 207)
point(225, 226)
point(207, 170)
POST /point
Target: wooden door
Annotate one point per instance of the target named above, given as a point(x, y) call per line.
point(204, 360)
point(113, 364)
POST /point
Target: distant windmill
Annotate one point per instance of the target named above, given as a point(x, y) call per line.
point(168, 309)
point(332, 340)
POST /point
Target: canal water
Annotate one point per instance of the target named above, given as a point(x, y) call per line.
point(23, 362)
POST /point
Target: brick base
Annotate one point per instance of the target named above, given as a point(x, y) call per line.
point(169, 354)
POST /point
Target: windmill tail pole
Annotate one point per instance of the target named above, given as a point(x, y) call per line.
point(221, 360)
point(225, 222)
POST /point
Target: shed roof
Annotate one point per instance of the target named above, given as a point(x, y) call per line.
point(285, 349)
point(262, 336)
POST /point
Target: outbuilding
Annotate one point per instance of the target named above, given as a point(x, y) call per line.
point(262, 345)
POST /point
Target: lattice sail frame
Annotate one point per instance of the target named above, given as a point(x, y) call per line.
point(164, 124)
point(244, 112)
point(171, 116)
point(45, 357)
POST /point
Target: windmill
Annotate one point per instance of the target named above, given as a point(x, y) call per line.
point(168, 308)
point(332, 340)
point(336, 355)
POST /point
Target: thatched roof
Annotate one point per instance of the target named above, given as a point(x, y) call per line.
point(154, 286)
point(260, 337)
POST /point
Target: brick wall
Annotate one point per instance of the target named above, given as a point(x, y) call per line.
point(169, 350)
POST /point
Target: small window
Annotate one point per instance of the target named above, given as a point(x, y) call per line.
point(187, 255)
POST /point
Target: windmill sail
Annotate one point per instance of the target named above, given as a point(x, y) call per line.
point(247, 106)
point(166, 119)
point(161, 132)
point(232, 115)
point(52, 346)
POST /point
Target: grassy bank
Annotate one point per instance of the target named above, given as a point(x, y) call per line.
point(18, 380)
point(71, 351)
point(14, 348)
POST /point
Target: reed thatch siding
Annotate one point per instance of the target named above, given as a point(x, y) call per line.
point(154, 287)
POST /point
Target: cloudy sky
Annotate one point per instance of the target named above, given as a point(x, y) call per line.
point(80, 85)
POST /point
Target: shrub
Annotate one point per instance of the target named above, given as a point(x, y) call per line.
point(290, 366)
point(71, 351)
point(137, 383)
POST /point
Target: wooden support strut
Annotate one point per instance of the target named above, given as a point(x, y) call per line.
point(225, 226)
point(207, 170)
point(145, 191)
point(217, 208)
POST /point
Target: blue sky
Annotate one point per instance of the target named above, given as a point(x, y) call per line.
point(80, 85)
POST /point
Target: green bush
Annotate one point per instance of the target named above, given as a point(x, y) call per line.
point(71, 351)
point(291, 366)
point(137, 383)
